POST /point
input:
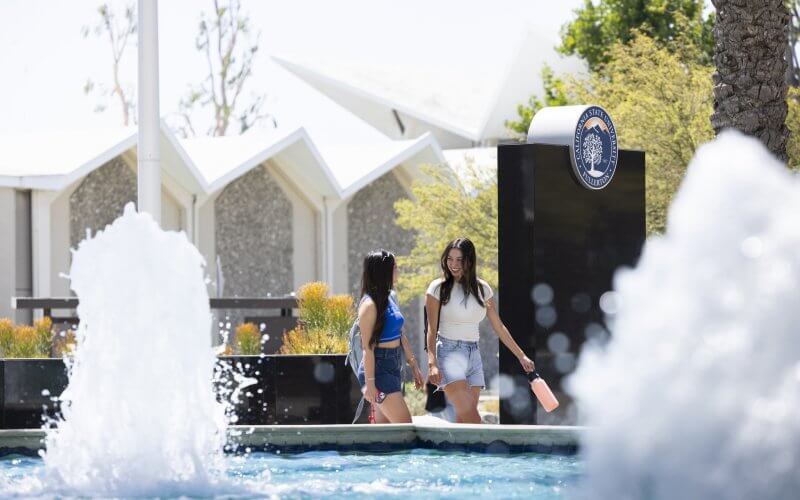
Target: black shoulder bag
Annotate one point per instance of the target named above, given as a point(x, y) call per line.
point(436, 401)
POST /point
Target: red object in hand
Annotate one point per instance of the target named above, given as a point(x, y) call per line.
point(378, 400)
point(543, 392)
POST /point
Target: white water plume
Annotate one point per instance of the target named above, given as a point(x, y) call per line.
point(697, 395)
point(139, 415)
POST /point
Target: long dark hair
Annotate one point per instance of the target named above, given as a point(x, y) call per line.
point(469, 278)
point(376, 281)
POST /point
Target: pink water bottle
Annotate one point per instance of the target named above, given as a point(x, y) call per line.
point(542, 391)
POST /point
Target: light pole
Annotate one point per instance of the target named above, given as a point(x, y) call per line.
point(149, 167)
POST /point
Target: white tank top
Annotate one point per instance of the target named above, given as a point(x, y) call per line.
point(461, 315)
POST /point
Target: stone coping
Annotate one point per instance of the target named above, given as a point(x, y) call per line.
point(365, 437)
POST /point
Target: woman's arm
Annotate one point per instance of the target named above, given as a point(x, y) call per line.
point(505, 336)
point(412, 361)
point(432, 306)
point(410, 358)
point(367, 315)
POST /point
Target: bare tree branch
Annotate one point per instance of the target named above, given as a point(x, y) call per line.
point(230, 65)
point(118, 35)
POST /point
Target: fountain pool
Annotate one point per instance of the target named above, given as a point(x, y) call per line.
point(410, 474)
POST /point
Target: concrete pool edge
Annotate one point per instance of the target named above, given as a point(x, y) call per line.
point(488, 438)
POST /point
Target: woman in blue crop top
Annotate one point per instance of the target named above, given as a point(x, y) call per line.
point(381, 324)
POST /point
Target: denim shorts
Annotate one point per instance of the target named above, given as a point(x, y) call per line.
point(459, 360)
point(388, 364)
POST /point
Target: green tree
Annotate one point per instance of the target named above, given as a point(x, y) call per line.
point(793, 124)
point(599, 25)
point(443, 208)
point(555, 94)
point(660, 100)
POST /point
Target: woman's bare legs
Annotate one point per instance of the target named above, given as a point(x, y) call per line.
point(393, 410)
point(476, 395)
point(380, 418)
point(465, 401)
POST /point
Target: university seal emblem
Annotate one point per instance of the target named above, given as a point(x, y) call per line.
point(594, 148)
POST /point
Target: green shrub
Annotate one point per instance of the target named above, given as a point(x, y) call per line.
point(6, 336)
point(44, 336)
point(318, 341)
point(248, 339)
point(324, 322)
point(25, 344)
point(63, 344)
point(24, 341)
point(312, 300)
point(340, 314)
point(415, 400)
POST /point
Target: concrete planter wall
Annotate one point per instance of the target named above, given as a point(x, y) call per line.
point(296, 389)
point(289, 389)
point(26, 388)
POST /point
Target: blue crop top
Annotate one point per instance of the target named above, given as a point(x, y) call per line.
point(393, 327)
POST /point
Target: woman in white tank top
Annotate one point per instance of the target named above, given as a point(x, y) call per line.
point(457, 303)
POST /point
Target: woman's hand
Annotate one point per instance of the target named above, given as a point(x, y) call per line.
point(419, 382)
point(434, 377)
point(370, 392)
point(527, 364)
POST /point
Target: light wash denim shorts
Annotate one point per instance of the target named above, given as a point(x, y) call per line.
point(459, 360)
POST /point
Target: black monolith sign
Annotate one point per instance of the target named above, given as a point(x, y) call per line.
point(564, 241)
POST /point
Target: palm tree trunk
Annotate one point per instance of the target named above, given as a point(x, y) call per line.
point(750, 82)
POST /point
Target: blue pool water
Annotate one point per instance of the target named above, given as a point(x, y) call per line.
point(409, 474)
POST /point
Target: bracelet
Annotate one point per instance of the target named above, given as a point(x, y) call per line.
point(372, 378)
point(412, 360)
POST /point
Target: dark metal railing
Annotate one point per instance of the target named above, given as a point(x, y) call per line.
point(47, 304)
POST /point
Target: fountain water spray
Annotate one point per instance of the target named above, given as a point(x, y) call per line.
point(140, 415)
point(697, 395)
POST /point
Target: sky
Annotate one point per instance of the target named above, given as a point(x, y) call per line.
point(46, 60)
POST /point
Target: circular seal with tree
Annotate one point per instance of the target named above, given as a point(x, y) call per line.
point(594, 148)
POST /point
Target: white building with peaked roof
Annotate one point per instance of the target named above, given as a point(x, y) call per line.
point(269, 210)
point(275, 208)
point(461, 108)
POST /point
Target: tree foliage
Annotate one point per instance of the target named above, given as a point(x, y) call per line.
point(121, 33)
point(660, 97)
point(224, 39)
point(793, 123)
point(600, 25)
point(443, 208)
point(555, 94)
point(324, 322)
point(661, 101)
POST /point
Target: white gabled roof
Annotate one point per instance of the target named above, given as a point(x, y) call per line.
point(328, 149)
point(357, 165)
point(207, 164)
point(472, 103)
point(220, 160)
point(50, 160)
point(453, 104)
point(337, 170)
